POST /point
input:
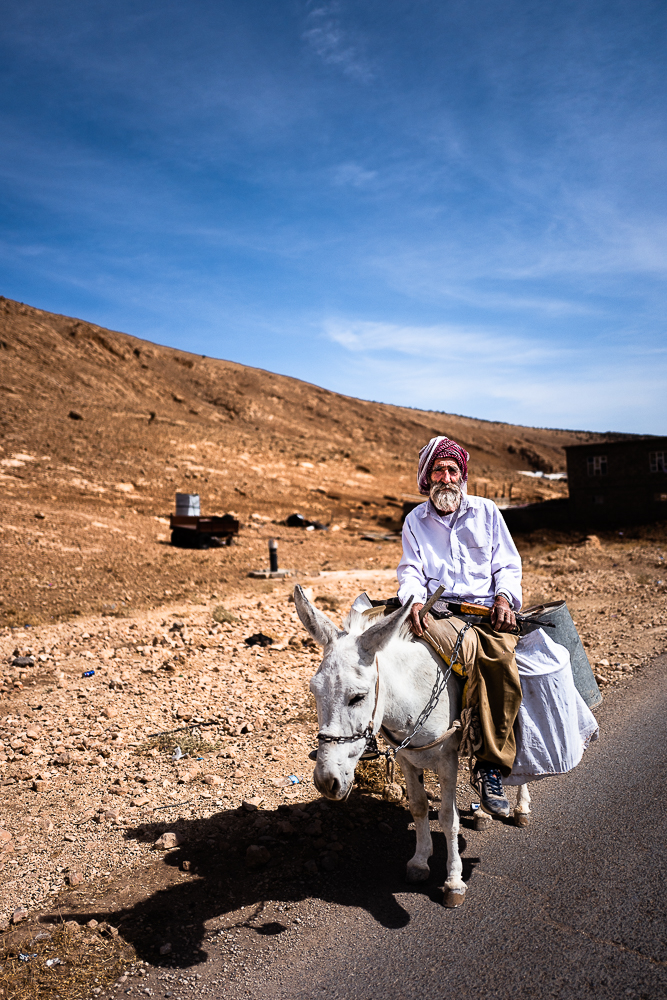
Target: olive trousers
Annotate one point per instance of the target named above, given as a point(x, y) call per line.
point(487, 661)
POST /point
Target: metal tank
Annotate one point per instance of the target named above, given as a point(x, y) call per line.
point(187, 505)
point(565, 633)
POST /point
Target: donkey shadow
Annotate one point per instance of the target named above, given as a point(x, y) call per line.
point(350, 854)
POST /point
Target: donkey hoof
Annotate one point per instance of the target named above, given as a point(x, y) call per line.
point(453, 897)
point(415, 873)
point(482, 821)
point(522, 819)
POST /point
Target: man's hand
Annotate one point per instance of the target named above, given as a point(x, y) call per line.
point(502, 616)
point(415, 624)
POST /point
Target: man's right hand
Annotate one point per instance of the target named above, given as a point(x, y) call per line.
point(415, 624)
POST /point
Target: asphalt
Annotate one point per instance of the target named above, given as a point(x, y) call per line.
point(574, 906)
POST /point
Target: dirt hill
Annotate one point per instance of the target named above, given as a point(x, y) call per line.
point(99, 429)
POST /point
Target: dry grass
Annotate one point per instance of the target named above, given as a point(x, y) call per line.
point(192, 743)
point(222, 615)
point(371, 775)
point(89, 959)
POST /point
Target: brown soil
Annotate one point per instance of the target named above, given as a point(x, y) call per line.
point(90, 582)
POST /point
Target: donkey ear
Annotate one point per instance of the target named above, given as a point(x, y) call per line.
point(377, 636)
point(321, 628)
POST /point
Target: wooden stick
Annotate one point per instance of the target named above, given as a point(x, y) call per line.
point(429, 604)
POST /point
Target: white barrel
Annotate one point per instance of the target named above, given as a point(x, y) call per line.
point(187, 505)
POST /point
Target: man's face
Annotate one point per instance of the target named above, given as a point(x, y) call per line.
point(445, 485)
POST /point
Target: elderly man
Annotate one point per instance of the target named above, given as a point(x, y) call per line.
point(463, 544)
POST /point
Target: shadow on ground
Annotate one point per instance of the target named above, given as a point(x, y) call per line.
point(350, 854)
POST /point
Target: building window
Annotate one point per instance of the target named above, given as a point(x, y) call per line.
point(598, 499)
point(656, 461)
point(597, 465)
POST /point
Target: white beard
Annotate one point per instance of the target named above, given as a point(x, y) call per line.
point(446, 497)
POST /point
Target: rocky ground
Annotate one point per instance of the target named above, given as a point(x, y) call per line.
point(82, 759)
point(99, 821)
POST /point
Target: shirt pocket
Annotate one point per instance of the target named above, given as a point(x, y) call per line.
point(475, 549)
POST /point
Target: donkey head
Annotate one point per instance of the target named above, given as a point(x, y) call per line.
point(349, 701)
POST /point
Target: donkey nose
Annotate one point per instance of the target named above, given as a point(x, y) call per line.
point(327, 784)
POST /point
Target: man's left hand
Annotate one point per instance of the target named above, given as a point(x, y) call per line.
point(502, 616)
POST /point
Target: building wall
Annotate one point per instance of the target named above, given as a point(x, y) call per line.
point(619, 481)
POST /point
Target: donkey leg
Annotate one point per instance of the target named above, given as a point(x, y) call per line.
point(455, 887)
point(522, 807)
point(418, 869)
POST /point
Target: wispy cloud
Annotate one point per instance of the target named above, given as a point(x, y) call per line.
point(326, 37)
point(352, 175)
point(492, 373)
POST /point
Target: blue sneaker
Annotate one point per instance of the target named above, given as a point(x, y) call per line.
point(488, 783)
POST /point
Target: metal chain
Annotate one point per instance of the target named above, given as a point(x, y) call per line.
point(366, 735)
point(438, 688)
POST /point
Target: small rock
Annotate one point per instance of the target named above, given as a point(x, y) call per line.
point(74, 879)
point(4, 924)
point(186, 776)
point(5, 838)
point(109, 712)
point(72, 926)
point(23, 661)
point(184, 713)
point(165, 949)
point(602, 663)
point(167, 841)
point(212, 779)
point(75, 415)
point(69, 837)
point(257, 855)
point(40, 515)
point(92, 924)
point(392, 792)
point(593, 542)
point(19, 915)
point(384, 828)
point(38, 785)
point(141, 800)
point(32, 734)
point(251, 805)
point(63, 758)
point(329, 862)
point(186, 866)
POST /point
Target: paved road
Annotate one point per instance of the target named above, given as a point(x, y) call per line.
point(573, 907)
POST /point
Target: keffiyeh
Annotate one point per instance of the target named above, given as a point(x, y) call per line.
point(440, 447)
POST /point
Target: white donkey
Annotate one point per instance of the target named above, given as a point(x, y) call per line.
point(376, 674)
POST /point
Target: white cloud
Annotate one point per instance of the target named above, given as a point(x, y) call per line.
point(450, 340)
point(329, 41)
point(353, 175)
point(496, 375)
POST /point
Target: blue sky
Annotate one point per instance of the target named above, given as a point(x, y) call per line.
point(453, 205)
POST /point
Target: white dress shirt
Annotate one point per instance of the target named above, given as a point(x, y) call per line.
point(469, 552)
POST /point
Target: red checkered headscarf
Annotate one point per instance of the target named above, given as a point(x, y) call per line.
point(440, 447)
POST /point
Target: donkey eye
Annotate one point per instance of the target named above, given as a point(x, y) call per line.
point(357, 698)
